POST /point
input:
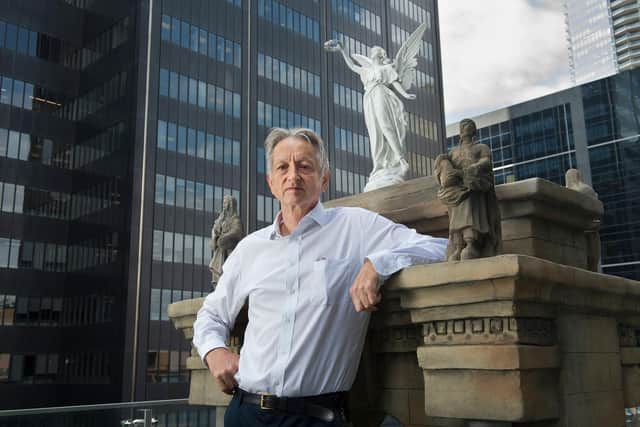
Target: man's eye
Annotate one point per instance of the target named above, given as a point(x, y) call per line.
point(281, 167)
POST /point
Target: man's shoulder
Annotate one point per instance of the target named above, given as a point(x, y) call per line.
point(350, 213)
point(253, 237)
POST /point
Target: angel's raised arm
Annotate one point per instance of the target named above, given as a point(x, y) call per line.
point(336, 46)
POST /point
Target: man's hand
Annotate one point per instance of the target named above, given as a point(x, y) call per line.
point(223, 365)
point(364, 291)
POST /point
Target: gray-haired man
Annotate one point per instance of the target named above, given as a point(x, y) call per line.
point(310, 280)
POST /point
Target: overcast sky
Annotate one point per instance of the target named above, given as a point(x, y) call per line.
point(497, 53)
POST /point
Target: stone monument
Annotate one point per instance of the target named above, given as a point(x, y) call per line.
point(225, 235)
point(384, 113)
point(573, 180)
point(465, 176)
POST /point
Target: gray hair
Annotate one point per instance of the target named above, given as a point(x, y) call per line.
point(278, 134)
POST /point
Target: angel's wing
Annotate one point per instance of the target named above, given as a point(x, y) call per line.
point(405, 61)
point(362, 60)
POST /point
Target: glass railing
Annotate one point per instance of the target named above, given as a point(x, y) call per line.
point(157, 413)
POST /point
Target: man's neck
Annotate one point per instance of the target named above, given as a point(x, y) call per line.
point(291, 217)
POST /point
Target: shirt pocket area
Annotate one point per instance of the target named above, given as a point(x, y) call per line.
point(337, 276)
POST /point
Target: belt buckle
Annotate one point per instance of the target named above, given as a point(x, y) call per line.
point(264, 398)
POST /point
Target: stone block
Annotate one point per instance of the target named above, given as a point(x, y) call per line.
point(490, 330)
point(204, 390)
point(397, 339)
point(400, 370)
point(584, 333)
point(516, 396)
point(529, 227)
point(483, 309)
point(488, 357)
point(416, 407)
point(459, 293)
point(630, 355)
point(552, 251)
point(601, 409)
point(591, 372)
point(631, 386)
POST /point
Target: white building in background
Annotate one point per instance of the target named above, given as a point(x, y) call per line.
point(592, 52)
point(603, 37)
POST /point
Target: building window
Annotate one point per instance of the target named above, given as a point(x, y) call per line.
point(197, 143)
point(201, 94)
point(283, 16)
point(201, 41)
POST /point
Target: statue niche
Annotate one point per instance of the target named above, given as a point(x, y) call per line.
point(465, 175)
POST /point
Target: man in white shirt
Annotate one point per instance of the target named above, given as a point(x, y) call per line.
point(310, 280)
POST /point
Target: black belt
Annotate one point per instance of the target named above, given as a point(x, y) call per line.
point(325, 407)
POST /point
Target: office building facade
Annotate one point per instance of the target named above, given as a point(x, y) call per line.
point(603, 37)
point(123, 124)
point(595, 128)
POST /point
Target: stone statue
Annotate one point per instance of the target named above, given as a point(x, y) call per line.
point(225, 235)
point(573, 180)
point(465, 176)
point(384, 113)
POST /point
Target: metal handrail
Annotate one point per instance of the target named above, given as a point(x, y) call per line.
point(85, 408)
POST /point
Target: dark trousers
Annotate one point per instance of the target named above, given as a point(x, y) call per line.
point(242, 414)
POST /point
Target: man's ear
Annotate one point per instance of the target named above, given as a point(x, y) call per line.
point(325, 180)
point(268, 177)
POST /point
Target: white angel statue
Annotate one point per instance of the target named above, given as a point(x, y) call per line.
point(384, 113)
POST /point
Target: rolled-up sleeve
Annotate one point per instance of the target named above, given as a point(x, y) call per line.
point(391, 247)
point(219, 310)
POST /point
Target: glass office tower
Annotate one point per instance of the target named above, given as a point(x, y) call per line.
point(123, 124)
point(594, 128)
point(592, 52)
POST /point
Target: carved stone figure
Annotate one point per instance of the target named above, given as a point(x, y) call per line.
point(225, 235)
point(465, 176)
point(384, 113)
point(573, 180)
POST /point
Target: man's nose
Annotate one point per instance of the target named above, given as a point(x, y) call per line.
point(293, 173)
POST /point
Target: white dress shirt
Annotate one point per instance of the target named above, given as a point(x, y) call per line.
point(304, 336)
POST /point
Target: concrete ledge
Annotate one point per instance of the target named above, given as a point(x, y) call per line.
point(539, 189)
point(488, 357)
point(509, 266)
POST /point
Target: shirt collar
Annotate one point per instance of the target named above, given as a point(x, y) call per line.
point(318, 214)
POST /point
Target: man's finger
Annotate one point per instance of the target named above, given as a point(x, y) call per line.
point(373, 297)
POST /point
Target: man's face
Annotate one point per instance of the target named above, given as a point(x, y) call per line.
point(295, 178)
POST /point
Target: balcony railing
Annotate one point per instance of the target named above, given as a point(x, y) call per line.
point(158, 413)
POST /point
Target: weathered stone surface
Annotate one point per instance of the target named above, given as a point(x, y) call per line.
point(587, 333)
point(401, 370)
point(516, 278)
point(488, 357)
point(482, 310)
point(515, 396)
point(183, 314)
point(203, 390)
point(491, 330)
point(630, 355)
point(599, 409)
point(413, 203)
point(631, 385)
point(591, 372)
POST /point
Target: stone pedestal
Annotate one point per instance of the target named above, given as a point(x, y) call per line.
point(203, 389)
point(527, 338)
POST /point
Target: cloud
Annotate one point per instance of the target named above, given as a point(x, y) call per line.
point(500, 52)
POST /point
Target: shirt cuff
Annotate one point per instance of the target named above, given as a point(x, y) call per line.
point(210, 345)
point(386, 264)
